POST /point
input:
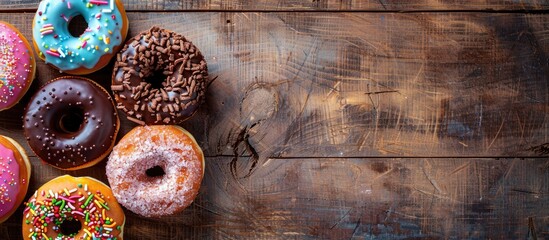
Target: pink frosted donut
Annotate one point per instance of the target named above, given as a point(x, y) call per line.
point(15, 172)
point(156, 170)
point(17, 66)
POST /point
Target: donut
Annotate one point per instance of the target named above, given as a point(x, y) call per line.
point(15, 171)
point(106, 31)
point(17, 65)
point(71, 123)
point(159, 78)
point(69, 207)
point(156, 170)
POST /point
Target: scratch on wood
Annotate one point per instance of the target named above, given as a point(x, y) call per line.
point(504, 179)
point(382, 4)
point(300, 69)
point(380, 92)
point(355, 229)
point(532, 229)
point(207, 209)
point(458, 169)
point(527, 192)
point(341, 219)
point(433, 182)
point(334, 88)
point(437, 195)
point(419, 72)
point(496, 136)
point(363, 141)
point(381, 175)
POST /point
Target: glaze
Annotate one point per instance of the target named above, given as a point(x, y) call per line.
point(57, 46)
point(9, 180)
point(16, 66)
point(14, 176)
point(71, 123)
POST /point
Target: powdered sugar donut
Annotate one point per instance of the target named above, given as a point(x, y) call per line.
point(156, 170)
point(17, 65)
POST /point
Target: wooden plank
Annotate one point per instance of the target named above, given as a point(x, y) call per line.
point(315, 5)
point(359, 84)
point(352, 198)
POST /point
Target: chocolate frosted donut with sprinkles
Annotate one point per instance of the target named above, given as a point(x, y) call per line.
point(71, 123)
point(159, 78)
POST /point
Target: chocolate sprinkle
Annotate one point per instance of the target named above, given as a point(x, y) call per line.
point(183, 77)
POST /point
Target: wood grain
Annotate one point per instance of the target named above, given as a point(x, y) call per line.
point(310, 5)
point(353, 198)
point(400, 85)
point(354, 125)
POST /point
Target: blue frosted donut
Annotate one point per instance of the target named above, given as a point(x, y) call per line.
point(107, 29)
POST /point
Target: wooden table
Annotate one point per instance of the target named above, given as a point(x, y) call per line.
point(342, 119)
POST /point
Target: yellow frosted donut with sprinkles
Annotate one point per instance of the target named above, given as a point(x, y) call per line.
point(73, 208)
point(92, 50)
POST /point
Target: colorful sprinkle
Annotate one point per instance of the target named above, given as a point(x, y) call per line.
point(49, 214)
point(61, 52)
point(65, 17)
point(52, 53)
point(46, 29)
point(9, 172)
point(96, 2)
point(47, 32)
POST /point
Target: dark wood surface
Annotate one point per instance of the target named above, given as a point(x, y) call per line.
point(312, 5)
point(351, 124)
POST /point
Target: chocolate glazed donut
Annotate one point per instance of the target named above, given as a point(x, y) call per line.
point(159, 78)
point(71, 123)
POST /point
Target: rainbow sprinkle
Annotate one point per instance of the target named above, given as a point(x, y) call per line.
point(53, 53)
point(65, 18)
point(9, 180)
point(99, 2)
point(46, 29)
point(56, 207)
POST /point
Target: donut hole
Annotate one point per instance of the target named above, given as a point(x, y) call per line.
point(71, 120)
point(156, 79)
point(70, 227)
point(77, 26)
point(155, 172)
